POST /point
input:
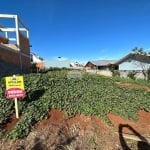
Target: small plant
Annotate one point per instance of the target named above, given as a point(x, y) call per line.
point(148, 74)
point(132, 74)
point(115, 73)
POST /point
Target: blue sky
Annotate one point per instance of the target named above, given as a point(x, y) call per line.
point(83, 30)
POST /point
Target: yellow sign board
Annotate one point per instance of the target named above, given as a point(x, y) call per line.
point(14, 82)
point(15, 89)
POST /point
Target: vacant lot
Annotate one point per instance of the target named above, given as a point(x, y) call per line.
point(92, 109)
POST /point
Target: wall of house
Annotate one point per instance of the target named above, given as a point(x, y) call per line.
point(24, 44)
point(26, 64)
point(10, 61)
point(138, 74)
point(101, 72)
point(7, 68)
point(35, 59)
point(9, 55)
point(123, 73)
point(133, 65)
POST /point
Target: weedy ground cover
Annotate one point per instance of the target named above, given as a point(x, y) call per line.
point(128, 80)
point(91, 95)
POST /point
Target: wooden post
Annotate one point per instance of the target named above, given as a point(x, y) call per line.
point(16, 108)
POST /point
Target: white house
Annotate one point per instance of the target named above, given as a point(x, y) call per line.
point(76, 65)
point(137, 63)
point(133, 62)
point(37, 61)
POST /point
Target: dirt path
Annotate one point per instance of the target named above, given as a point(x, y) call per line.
point(132, 85)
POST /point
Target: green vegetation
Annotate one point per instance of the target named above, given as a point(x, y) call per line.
point(115, 73)
point(91, 95)
point(129, 80)
point(143, 60)
point(131, 75)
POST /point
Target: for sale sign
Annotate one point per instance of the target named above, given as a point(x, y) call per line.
point(15, 87)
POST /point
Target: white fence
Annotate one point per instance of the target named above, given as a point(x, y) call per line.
point(138, 74)
point(123, 73)
point(101, 72)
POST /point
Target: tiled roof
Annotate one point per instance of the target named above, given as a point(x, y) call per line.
point(103, 62)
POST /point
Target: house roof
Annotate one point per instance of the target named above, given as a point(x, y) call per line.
point(136, 57)
point(103, 62)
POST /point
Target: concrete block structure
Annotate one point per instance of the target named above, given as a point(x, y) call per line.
point(14, 46)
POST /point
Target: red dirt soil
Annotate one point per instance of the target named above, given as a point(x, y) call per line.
point(56, 117)
point(142, 125)
point(12, 121)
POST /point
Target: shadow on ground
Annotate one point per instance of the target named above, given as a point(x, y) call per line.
point(141, 145)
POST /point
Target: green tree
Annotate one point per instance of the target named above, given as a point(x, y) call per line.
point(142, 60)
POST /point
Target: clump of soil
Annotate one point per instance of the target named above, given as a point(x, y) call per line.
point(142, 125)
point(80, 132)
point(11, 123)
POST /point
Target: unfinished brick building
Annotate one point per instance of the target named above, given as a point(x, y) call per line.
point(14, 46)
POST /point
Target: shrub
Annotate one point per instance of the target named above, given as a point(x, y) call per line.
point(148, 74)
point(115, 73)
point(131, 75)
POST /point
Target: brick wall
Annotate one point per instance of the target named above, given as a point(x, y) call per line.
point(10, 62)
point(26, 63)
point(9, 56)
point(3, 40)
point(24, 44)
